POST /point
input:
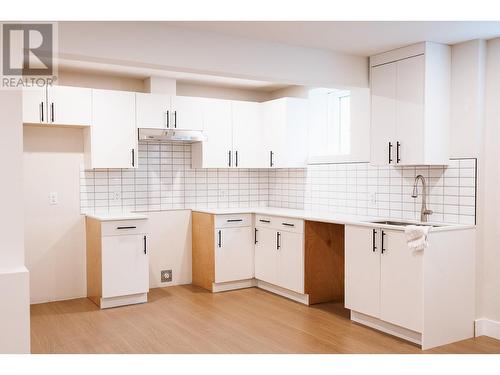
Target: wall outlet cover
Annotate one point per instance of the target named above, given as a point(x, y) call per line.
point(166, 276)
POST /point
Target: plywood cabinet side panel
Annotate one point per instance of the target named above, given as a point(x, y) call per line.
point(203, 250)
point(324, 262)
point(94, 260)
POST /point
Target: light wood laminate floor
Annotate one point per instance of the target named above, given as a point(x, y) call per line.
point(187, 319)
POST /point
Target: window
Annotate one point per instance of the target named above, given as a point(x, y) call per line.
point(330, 125)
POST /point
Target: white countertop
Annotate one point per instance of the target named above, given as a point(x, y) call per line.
point(117, 216)
point(328, 217)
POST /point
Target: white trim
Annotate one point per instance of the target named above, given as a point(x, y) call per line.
point(389, 328)
point(487, 327)
point(132, 299)
point(290, 294)
point(233, 285)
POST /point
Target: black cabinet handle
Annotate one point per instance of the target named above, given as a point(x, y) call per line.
point(133, 158)
point(52, 117)
point(383, 235)
point(255, 235)
point(278, 241)
point(288, 224)
point(145, 245)
point(168, 118)
point(264, 221)
point(229, 158)
point(175, 119)
point(126, 227)
point(271, 154)
point(390, 152)
point(236, 155)
point(41, 111)
point(219, 241)
point(234, 220)
point(374, 247)
point(398, 159)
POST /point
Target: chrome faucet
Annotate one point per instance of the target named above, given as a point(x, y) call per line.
point(424, 212)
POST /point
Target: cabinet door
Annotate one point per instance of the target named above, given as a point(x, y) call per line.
point(234, 254)
point(69, 105)
point(401, 281)
point(154, 111)
point(125, 266)
point(113, 130)
point(187, 113)
point(362, 270)
point(248, 145)
point(214, 151)
point(291, 261)
point(266, 255)
point(273, 125)
point(34, 105)
point(410, 110)
point(383, 113)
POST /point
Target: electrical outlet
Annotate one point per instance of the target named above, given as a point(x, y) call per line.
point(372, 197)
point(53, 198)
point(116, 195)
point(166, 276)
point(222, 193)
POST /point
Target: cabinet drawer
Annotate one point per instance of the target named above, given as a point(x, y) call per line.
point(123, 227)
point(232, 221)
point(280, 223)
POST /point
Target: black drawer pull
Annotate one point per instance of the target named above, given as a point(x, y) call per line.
point(234, 220)
point(288, 224)
point(255, 235)
point(278, 240)
point(145, 245)
point(126, 227)
point(374, 247)
point(383, 236)
point(264, 221)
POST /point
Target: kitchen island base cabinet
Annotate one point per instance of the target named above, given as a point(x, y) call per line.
point(424, 296)
point(117, 262)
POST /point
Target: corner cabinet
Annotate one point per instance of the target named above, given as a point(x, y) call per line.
point(111, 141)
point(285, 134)
point(410, 104)
point(424, 296)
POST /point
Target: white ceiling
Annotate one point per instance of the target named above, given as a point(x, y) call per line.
point(353, 37)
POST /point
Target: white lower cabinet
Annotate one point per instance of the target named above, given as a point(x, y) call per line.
point(234, 254)
point(279, 252)
point(117, 262)
point(383, 277)
point(125, 265)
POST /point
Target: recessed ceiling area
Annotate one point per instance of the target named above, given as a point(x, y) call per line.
point(362, 38)
point(184, 77)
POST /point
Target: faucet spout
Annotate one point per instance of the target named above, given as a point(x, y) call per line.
point(424, 212)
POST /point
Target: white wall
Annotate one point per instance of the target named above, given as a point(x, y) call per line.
point(467, 98)
point(54, 234)
point(158, 46)
point(489, 306)
point(14, 278)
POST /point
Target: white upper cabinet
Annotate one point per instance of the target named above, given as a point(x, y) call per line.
point(159, 111)
point(35, 105)
point(285, 135)
point(410, 89)
point(187, 113)
point(248, 148)
point(216, 150)
point(58, 105)
point(153, 111)
point(111, 141)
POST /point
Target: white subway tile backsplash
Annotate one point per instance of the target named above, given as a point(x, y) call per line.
point(165, 180)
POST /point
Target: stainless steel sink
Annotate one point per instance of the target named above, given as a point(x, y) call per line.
point(404, 223)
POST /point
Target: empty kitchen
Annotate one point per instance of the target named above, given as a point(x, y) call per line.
point(250, 187)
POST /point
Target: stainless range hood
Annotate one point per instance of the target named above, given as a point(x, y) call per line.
point(170, 135)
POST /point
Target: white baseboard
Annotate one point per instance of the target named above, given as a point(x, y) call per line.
point(487, 327)
point(233, 285)
point(302, 298)
point(132, 299)
point(389, 328)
